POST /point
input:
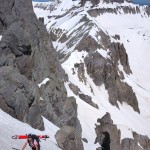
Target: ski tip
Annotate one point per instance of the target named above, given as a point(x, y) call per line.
point(14, 137)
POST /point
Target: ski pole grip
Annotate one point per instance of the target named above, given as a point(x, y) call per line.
point(14, 137)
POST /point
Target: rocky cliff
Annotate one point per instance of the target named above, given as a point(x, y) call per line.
point(82, 75)
point(27, 59)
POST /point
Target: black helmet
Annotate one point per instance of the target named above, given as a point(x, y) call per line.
point(29, 135)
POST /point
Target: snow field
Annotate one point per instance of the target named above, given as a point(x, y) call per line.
point(10, 126)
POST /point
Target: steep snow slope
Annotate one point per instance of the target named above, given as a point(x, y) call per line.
point(10, 126)
point(135, 35)
point(39, 12)
point(134, 32)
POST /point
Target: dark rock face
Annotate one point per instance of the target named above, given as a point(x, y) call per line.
point(75, 89)
point(27, 57)
point(68, 139)
point(84, 97)
point(41, 19)
point(69, 116)
point(106, 125)
point(104, 71)
point(95, 2)
point(106, 141)
point(130, 144)
point(81, 71)
point(95, 64)
point(18, 97)
point(83, 2)
point(88, 43)
point(88, 100)
point(144, 141)
point(117, 10)
point(118, 52)
point(148, 10)
point(111, 1)
point(85, 140)
point(71, 130)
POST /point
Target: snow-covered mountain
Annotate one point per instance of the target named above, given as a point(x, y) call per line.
point(104, 50)
point(98, 80)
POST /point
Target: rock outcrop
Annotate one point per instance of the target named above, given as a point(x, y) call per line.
point(106, 125)
point(103, 70)
point(119, 9)
point(112, 1)
point(82, 96)
point(68, 139)
point(20, 97)
point(20, 50)
point(130, 144)
point(27, 57)
point(143, 141)
point(95, 2)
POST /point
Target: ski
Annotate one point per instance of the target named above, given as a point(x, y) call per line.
point(26, 136)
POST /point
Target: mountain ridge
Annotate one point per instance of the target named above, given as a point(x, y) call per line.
point(87, 74)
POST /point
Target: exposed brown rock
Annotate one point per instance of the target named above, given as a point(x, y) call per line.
point(27, 57)
point(117, 10)
point(130, 144)
point(80, 70)
point(88, 100)
point(144, 141)
point(67, 139)
point(88, 44)
point(118, 53)
point(75, 89)
point(106, 124)
point(104, 71)
point(18, 97)
point(82, 96)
